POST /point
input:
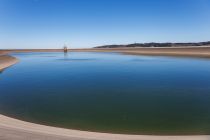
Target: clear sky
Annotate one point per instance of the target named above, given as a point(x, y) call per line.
point(89, 23)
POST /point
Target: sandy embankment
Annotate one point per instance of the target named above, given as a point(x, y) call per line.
point(166, 51)
point(12, 129)
point(7, 61)
point(203, 52)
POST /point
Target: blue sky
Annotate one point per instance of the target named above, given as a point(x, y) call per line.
point(89, 23)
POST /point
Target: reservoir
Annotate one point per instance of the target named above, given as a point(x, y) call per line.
point(109, 92)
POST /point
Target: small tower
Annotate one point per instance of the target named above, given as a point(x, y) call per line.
point(65, 49)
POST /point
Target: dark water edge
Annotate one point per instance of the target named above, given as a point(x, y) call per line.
point(157, 131)
point(107, 92)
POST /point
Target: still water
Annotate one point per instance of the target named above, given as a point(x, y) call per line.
point(109, 92)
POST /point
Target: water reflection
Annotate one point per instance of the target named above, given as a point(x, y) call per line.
point(66, 55)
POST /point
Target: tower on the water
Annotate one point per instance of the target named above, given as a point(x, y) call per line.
point(65, 48)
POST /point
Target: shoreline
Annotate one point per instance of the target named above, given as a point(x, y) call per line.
point(13, 129)
point(202, 52)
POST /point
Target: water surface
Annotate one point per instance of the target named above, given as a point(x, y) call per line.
point(109, 92)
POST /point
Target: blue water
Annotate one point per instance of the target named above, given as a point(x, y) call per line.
point(109, 92)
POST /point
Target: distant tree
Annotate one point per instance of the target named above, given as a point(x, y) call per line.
point(153, 44)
